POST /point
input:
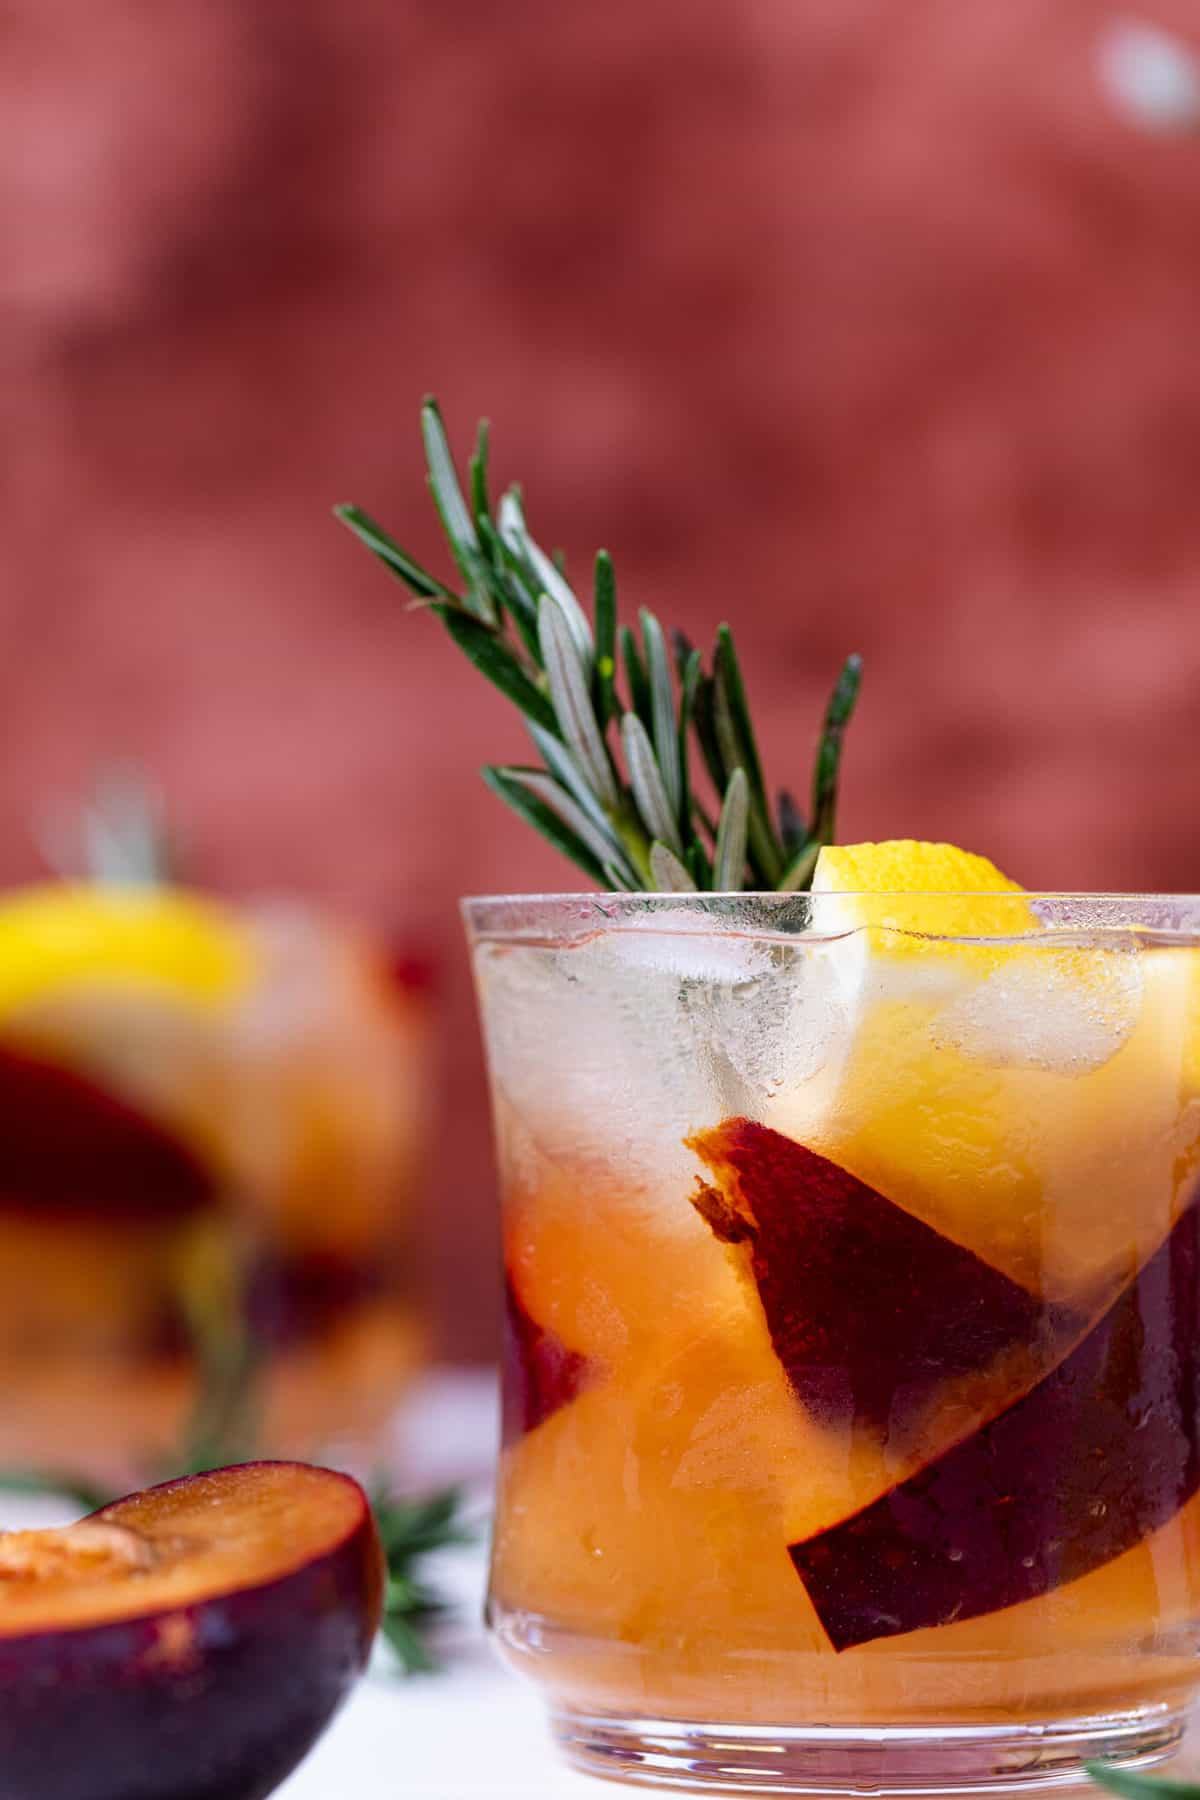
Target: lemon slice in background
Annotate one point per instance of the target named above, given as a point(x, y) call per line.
point(159, 941)
point(133, 987)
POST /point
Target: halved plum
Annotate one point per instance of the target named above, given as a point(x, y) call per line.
point(1103, 1451)
point(69, 1146)
point(869, 1309)
point(190, 1642)
point(538, 1371)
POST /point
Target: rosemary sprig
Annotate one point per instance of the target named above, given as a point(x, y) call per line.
point(119, 835)
point(1134, 1784)
point(410, 1530)
point(615, 791)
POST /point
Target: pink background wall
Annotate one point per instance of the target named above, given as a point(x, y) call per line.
point(870, 322)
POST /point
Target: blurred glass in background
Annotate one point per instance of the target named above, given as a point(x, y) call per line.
point(870, 321)
point(212, 1121)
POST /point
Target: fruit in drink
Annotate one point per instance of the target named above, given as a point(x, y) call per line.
point(870, 1311)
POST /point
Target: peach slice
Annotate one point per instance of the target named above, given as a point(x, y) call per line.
point(190, 1642)
point(1087, 1463)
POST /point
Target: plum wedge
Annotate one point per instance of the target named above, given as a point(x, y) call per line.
point(69, 1146)
point(189, 1642)
point(870, 1310)
point(1083, 1466)
point(538, 1372)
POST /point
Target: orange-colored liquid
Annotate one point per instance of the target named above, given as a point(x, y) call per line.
point(641, 1560)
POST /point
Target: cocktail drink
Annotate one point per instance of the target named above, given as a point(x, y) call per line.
point(852, 1271)
point(851, 1242)
point(211, 1120)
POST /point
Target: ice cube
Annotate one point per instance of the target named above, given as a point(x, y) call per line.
point(688, 945)
point(1068, 1010)
point(597, 1051)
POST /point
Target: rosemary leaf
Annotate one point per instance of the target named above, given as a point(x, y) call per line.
point(664, 728)
point(509, 588)
point(764, 851)
point(682, 646)
point(829, 752)
point(557, 800)
point(616, 878)
point(799, 871)
point(729, 862)
point(570, 698)
point(647, 784)
point(729, 675)
point(670, 876)
point(480, 504)
point(545, 577)
point(493, 658)
point(793, 826)
point(454, 514)
point(410, 1530)
point(605, 609)
point(565, 768)
point(407, 1645)
point(699, 866)
point(636, 678)
point(689, 680)
point(393, 558)
point(703, 716)
point(633, 835)
point(529, 808)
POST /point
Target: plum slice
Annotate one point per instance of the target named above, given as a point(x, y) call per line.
point(538, 1371)
point(870, 1310)
point(67, 1145)
point(1083, 1466)
point(188, 1643)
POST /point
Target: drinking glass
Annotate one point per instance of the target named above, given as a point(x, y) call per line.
point(852, 1373)
point(206, 1201)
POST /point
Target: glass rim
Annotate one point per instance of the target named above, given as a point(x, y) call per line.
point(1055, 913)
point(640, 896)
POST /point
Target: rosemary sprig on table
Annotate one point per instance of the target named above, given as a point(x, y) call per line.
point(631, 820)
point(1136, 1784)
point(411, 1530)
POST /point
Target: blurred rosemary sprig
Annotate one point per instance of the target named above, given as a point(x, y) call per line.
point(119, 835)
point(630, 820)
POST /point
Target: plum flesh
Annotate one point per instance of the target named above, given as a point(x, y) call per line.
point(187, 1643)
point(870, 1310)
point(1100, 1453)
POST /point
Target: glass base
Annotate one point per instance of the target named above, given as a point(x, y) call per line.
point(764, 1759)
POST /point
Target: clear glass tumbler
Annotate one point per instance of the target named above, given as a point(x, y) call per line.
point(852, 1268)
